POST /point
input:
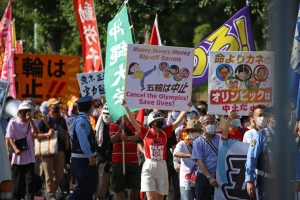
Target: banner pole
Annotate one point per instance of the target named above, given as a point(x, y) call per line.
point(123, 149)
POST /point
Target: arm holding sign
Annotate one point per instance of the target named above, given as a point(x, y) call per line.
point(231, 115)
point(133, 121)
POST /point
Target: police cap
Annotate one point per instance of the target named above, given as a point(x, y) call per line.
point(84, 103)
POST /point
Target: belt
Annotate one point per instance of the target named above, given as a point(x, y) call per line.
point(264, 174)
point(79, 155)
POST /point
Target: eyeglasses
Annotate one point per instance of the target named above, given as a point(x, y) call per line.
point(209, 122)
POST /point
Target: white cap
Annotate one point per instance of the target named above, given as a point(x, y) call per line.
point(25, 105)
point(154, 116)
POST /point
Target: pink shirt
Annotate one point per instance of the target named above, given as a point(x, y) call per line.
point(17, 129)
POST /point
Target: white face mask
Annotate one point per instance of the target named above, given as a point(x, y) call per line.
point(261, 121)
point(235, 123)
point(210, 129)
point(106, 118)
point(247, 124)
point(193, 135)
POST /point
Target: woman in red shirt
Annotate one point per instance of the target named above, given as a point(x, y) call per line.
point(154, 173)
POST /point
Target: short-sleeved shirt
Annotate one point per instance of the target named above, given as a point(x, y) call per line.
point(131, 155)
point(156, 145)
point(249, 135)
point(203, 151)
point(17, 129)
point(235, 134)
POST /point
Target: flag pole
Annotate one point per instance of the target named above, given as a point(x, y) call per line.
point(123, 148)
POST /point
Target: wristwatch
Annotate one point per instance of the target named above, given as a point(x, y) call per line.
point(209, 177)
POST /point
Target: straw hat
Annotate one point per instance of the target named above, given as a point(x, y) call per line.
point(193, 124)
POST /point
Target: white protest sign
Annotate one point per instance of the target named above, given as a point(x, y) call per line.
point(159, 77)
point(91, 84)
point(239, 81)
point(4, 85)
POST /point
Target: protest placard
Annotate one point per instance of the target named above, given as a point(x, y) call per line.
point(4, 85)
point(45, 76)
point(91, 84)
point(231, 170)
point(158, 77)
point(239, 81)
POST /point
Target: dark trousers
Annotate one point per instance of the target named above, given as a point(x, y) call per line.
point(204, 190)
point(86, 177)
point(23, 181)
point(264, 188)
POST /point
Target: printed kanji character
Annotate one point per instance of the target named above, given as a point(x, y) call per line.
point(86, 90)
point(175, 87)
point(91, 78)
point(260, 94)
point(240, 59)
point(219, 58)
point(267, 60)
point(167, 87)
point(120, 73)
point(182, 88)
point(116, 29)
point(83, 80)
point(229, 60)
point(100, 77)
point(90, 34)
point(117, 51)
point(150, 87)
point(225, 96)
point(235, 96)
point(216, 97)
point(235, 108)
point(57, 73)
point(252, 108)
point(159, 87)
point(259, 59)
point(250, 59)
point(268, 96)
point(243, 94)
point(244, 107)
point(101, 89)
point(34, 85)
point(93, 56)
point(94, 90)
point(226, 108)
point(252, 96)
point(34, 68)
point(86, 14)
point(119, 95)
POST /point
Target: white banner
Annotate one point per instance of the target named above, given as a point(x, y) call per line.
point(91, 84)
point(159, 77)
point(239, 81)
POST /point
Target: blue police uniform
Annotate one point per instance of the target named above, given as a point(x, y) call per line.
point(83, 148)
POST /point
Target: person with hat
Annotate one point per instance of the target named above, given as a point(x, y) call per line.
point(84, 152)
point(188, 167)
point(20, 133)
point(154, 179)
point(50, 123)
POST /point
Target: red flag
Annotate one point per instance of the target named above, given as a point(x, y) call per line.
point(155, 37)
point(140, 116)
point(6, 33)
point(19, 46)
point(88, 30)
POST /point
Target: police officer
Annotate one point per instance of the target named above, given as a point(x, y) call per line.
point(84, 152)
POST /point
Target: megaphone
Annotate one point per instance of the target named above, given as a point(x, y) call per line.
point(11, 108)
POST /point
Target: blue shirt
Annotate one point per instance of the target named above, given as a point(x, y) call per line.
point(203, 151)
point(83, 129)
point(258, 145)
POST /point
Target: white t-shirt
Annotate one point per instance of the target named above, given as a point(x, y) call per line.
point(187, 164)
point(248, 135)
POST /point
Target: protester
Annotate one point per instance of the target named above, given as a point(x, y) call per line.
point(132, 179)
point(183, 150)
point(154, 174)
point(84, 152)
point(55, 162)
point(104, 153)
point(205, 153)
point(20, 133)
point(236, 131)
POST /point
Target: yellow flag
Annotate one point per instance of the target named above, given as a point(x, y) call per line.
point(13, 37)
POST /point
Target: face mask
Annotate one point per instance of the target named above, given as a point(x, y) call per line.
point(261, 121)
point(210, 129)
point(24, 114)
point(247, 124)
point(106, 118)
point(191, 116)
point(159, 124)
point(235, 123)
point(193, 135)
point(56, 110)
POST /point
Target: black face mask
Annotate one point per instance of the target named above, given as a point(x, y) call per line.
point(56, 110)
point(159, 124)
point(25, 112)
